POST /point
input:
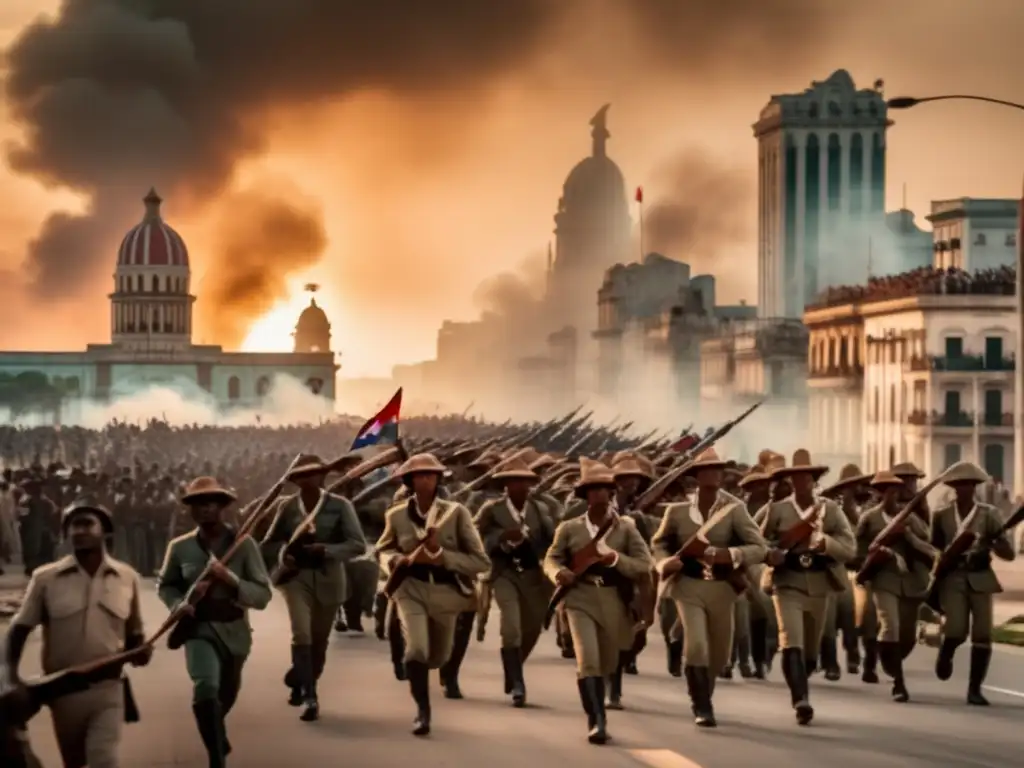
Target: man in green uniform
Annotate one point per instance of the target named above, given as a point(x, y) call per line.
point(221, 640)
point(965, 595)
point(332, 536)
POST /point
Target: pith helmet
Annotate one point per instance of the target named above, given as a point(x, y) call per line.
point(87, 505)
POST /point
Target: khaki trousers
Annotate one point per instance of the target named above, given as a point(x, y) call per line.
point(311, 619)
point(897, 619)
point(707, 615)
point(597, 648)
point(428, 613)
point(88, 725)
point(965, 611)
point(801, 619)
point(521, 605)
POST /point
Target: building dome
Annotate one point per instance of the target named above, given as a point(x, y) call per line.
point(151, 243)
point(313, 330)
point(313, 318)
point(597, 177)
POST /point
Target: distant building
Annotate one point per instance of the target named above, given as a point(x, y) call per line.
point(756, 359)
point(904, 245)
point(821, 190)
point(973, 234)
point(151, 338)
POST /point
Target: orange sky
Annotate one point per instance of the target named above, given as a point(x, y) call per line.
point(411, 234)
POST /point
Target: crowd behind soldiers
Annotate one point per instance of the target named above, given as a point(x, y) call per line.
point(921, 281)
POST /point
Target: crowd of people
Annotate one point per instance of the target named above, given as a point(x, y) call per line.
point(1000, 281)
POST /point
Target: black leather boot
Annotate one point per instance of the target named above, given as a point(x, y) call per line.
point(892, 664)
point(981, 655)
point(830, 659)
point(353, 616)
point(796, 678)
point(615, 686)
point(291, 679)
point(419, 687)
point(380, 613)
point(396, 644)
point(944, 661)
point(210, 722)
point(340, 625)
point(742, 651)
point(675, 658)
point(306, 677)
point(698, 684)
point(851, 645)
point(759, 646)
point(512, 663)
point(594, 687)
point(460, 644)
point(582, 685)
point(870, 672)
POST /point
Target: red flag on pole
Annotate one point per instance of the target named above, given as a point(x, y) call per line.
point(639, 194)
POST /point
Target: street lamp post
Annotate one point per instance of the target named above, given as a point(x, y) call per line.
point(906, 102)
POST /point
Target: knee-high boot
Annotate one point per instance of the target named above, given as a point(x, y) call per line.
point(592, 695)
point(675, 657)
point(460, 644)
point(870, 672)
point(944, 661)
point(512, 664)
point(615, 682)
point(698, 684)
point(292, 680)
point(981, 655)
point(396, 643)
point(829, 655)
point(892, 664)
point(210, 722)
point(759, 646)
point(305, 674)
point(380, 612)
point(795, 672)
point(419, 687)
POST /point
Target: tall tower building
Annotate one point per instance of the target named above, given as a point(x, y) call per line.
point(821, 190)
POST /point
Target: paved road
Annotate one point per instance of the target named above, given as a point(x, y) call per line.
point(367, 715)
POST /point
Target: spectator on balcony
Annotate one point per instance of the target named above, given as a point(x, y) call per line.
point(924, 281)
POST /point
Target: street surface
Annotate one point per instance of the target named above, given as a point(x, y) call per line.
point(366, 715)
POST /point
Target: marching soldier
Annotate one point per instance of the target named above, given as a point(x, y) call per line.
point(221, 639)
point(966, 594)
point(316, 593)
point(516, 531)
point(88, 606)
point(899, 586)
point(435, 545)
point(756, 605)
point(802, 577)
point(702, 583)
point(852, 610)
point(596, 612)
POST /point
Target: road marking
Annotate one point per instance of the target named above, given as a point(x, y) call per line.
point(662, 758)
point(1004, 691)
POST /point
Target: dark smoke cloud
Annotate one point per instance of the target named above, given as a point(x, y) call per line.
point(702, 215)
point(260, 232)
point(119, 95)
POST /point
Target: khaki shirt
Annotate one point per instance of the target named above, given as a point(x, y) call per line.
point(83, 617)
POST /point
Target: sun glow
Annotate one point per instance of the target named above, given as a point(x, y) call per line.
point(274, 331)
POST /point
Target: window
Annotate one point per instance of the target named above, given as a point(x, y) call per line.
point(315, 385)
point(980, 239)
point(993, 407)
point(994, 460)
point(954, 346)
point(813, 110)
point(262, 386)
point(156, 284)
point(954, 244)
point(234, 388)
point(951, 453)
point(952, 402)
point(993, 351)
point(1011, 240)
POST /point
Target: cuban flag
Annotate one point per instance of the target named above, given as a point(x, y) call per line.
point(381, 429)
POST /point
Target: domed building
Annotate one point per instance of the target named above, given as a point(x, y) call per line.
point(151, 335)
point(592, 228)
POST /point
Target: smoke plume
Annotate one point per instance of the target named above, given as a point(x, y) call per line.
point(118, 95)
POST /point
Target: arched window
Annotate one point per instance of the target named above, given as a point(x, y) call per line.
point(170, 284)
point(156, 284)
point(315, 385)
point(262, 386)
point(234, 388)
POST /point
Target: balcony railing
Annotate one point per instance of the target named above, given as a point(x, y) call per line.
point(997, 420)
point(837, 372)
point(967, 363)
point(937, 419)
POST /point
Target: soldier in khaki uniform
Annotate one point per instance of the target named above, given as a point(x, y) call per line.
point(841, 613)
point(700, 586)
point(316, 593)
point(221, 639)
point(437, 547)
point(755, 606)
point(900, 583)
point(802, 578)
point(597, 614)
point(516, 531)
point(88, 606)
point(966, 594)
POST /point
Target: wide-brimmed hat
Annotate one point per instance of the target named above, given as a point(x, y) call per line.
point(907, 469)
point(849, 475)
point(885, 478)
point(87, 505)
point(462, 454)
point(542, 462)
point(756, 474)
point(516, 470)
point(801, 463)
point(206, 487)
point(484, 461)
point(421, 463)
point(308, 464)
point(592, 473)
point(965, 472)
point(709, 459)
point(632, 465)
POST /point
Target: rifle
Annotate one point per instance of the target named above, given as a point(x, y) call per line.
point(875, 558)
point(587, 557)
point(953, 555)
point(282, 574)
point(401, 570)
point(696, 545)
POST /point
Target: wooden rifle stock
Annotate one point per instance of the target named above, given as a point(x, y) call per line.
point(588, 556)
point(282, 573)
point(894, 528)
point(400, 571)
point(951, 557)
point(801, 531)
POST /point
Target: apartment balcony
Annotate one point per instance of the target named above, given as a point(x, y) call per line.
point(941, 419)
point(961, 364)
point(997, 420)
point(837, 372)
